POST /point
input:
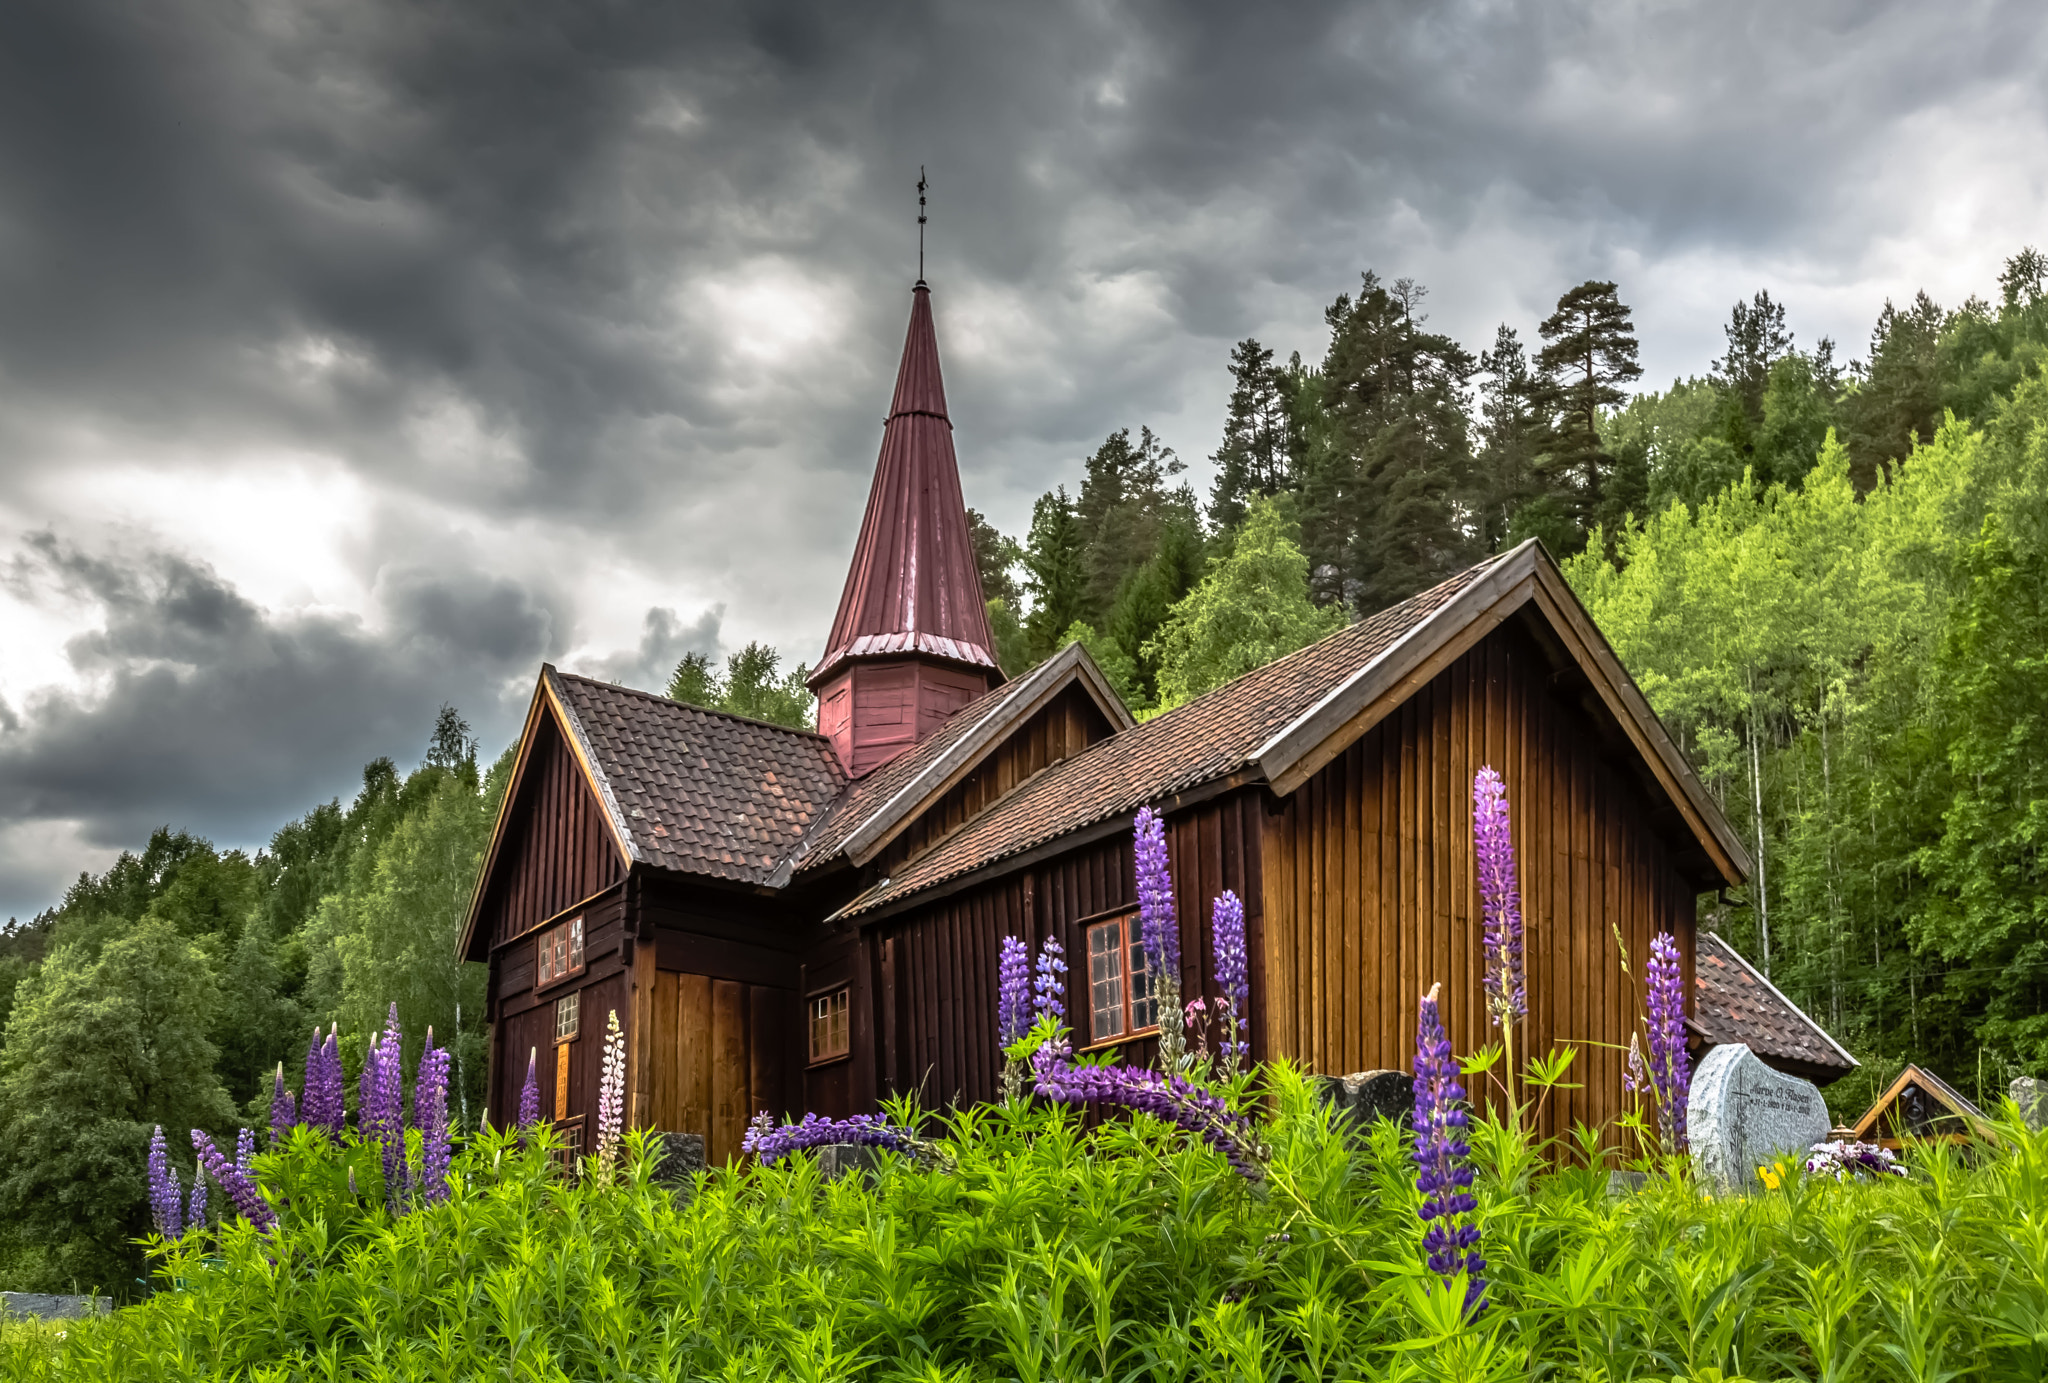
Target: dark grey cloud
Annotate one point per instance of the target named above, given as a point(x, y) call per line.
point(594, 307)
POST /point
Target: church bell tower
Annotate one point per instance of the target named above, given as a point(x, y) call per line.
point(911, 643)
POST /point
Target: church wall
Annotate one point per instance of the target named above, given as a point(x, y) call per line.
point(562, 850)
point(524, 1019)
point(930, 975)
point(1372, 896)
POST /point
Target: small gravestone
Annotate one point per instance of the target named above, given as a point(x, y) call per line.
point(19, 1304)
point(2030, 1093)
point(681, 1157)
point(1743, 1115)
point(1364, 1096)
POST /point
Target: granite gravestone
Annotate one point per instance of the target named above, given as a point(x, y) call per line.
point(1360, 1098)
point(49, 1308)
point(2030, 1093)
point(1743, 1115)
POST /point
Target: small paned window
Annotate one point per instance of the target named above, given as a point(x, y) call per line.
point(561, 953)
point(566, 1009)
point(829, 1035)
point(1121, 1002)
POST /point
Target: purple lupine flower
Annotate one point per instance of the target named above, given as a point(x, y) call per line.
point(1226, 927)
point(771, 1142)
point(245, 1150)
point(1159, 934)
point(1670, 1063)
point(611, 1093)
point(1048, 990)
point(529, 1093)
point(430, 1115)
point(1164, 1095)
point(241, 1189)
point(195, 1214)
point(283, 1114)
point(1500, 898)
point(165, 1198)
point(387, 1094)
point(322, 1106)
point(1013, 991)
point(1444, 1178)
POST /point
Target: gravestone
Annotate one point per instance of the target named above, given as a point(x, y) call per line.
point(49, 1308)
point(1743, 1115)
point(2030, 1093)
point(1363, 1096)
point(681, 1157)
point(836, 1160)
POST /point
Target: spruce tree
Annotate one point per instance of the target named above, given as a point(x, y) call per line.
point(1898, 399)
point(1757, 338)
point(1054, 572)
point(1514, 434)
point(1589, 352)
point(1119, 513)
point(1255, 457)
point(996, 555)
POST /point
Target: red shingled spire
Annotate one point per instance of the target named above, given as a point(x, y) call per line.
point(911, 642)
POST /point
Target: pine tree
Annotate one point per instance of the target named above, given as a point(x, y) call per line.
point(1514, 434)
point(1055, 573)
point(1256, 455)
point(1589, 352)
point(1898, 399)
point(1396, 486)
point(1757, 338)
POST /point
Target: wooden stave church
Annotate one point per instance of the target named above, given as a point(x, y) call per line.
point(793, 921)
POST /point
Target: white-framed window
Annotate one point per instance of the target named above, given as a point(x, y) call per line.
point(561, 953)
point(567, 1011)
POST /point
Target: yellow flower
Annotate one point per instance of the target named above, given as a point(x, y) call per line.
point(1771, 1178)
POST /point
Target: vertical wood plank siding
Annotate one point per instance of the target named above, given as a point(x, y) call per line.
point(562, 850)
point(1372, 892)
point(936, 1027)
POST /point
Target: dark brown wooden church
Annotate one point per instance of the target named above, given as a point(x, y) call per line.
point(792, 921)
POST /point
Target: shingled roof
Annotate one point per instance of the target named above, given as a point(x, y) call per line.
point(1732, 1003)
point(699, 791)
point(1210, 737)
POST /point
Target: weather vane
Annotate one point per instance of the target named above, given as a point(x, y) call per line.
point(921, 185)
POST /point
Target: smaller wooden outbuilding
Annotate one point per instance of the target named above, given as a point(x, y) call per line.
point(1919, 1104)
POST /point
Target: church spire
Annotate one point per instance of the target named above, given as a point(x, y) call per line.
point(911, 642)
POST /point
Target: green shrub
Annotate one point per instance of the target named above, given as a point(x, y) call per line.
point(1052, 1251)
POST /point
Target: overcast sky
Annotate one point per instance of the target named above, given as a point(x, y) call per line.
point(358, 356)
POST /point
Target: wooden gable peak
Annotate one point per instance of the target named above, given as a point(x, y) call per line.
point(1072, 666)
point(547, 704)
point(1869, 1128)
point(1524, 579)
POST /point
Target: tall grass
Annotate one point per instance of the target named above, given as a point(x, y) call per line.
point(1047, 1251)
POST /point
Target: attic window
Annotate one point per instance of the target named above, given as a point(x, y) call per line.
point(1121, 1001)
point(830, 1038)
point(561, 953)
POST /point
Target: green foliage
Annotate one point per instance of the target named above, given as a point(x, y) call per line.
point(99, 1049)
point(752, 685)
point(1251, 608)
point(1056, 572)
point(995, 557)
point(1116, 664)
point(1589, 352)
point(1048, 1251)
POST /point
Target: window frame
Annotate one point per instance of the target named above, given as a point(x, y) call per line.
point(574, 953)
point(574, 996)
point(842, 995)
point(1129, 951)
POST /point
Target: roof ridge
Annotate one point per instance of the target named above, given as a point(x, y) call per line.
point(691, 705)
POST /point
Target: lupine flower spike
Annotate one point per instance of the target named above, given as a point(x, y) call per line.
point(1166, 1096)
point(387, 1105)
point(529, 1093)
point(1050, 986)
point(430, 1116)
point(1670, 1063)
point(1444, 1178)
point(283, 1114)
point(1226, 925)
point(241, 1189)
point(195, 1213)
point(1500, 903)
point(771, 1142)
point(245, 1150)
point(1159, 935)
point(165, 1199)
point(611, 1095)
point(1013, 1010)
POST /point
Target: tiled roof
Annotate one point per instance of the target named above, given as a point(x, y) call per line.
point(1208, 738)
point(1733, 1003)
point(702, 791)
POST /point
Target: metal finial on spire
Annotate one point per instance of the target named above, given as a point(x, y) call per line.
point(921, 185)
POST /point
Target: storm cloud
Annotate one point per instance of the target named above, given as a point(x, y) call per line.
point(357, 356)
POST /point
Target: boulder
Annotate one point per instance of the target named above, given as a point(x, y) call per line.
point(1743, 1115)
point(1364, 1096)
point(2030, 1093)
